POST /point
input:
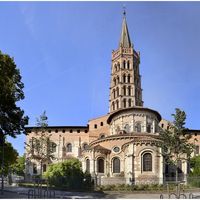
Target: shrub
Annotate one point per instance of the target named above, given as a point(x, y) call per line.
point(68, 175)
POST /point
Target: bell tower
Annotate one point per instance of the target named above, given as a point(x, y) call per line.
point(125, 86)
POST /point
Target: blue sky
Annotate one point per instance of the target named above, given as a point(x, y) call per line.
point(63, 50)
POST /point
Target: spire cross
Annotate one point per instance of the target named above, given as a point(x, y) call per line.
point(124, 8)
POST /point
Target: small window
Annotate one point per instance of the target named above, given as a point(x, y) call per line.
point(148, 128)
point(69, 147)
point(101, 123)
point(162, 125)
point(124, 89)
point(78, 131)
point(86, 131)
point(129, 102)
point(124, 78)
point(124, 103)
point(44, 168)
point(127, 128)
point(87, 165)
point(71, 131)
point(129, 78)
point(128, 65)
point(95, 126)
point(129, 90)
point(100, 165)
point(117, 104)
point(85, 146)
point(53, 147)
point(56, 130)
point(49, 131)
point(63, 131)
point(147, 162)
point(116, 149)
point(116, 165)
point(138, 127)
point(124, 64)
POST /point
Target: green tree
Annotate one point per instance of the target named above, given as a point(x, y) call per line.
point(10, 158)
point(12, 119)
point(41, 148)
point(19, 166)
point(176, 145)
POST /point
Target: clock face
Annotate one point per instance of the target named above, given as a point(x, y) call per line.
point(116, 149)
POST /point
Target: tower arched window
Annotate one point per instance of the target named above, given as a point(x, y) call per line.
point(124, 101)
point(129, 90)
point(124, 64)
point(124, 90)
point(117, 91)
point(113, 105)
point(115, 67)
point(147, 162)
point(53, 147)
point(124, 78)
point(116, 165)
point(100, 165)
point(117, 79)
point(138, 127)
point(117, 104)
point(87, 167)
point(118, 65)
point(114, 81)
point(114, 93)
point(129, 78)
point(129, 103)
point(128, 64)
point(69, 147)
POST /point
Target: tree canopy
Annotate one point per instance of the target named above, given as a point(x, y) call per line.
point(175, 140)
point(10, 157)
point(19, 166)
point(12, 119)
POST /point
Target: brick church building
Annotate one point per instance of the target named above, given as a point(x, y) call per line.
point(123, 145)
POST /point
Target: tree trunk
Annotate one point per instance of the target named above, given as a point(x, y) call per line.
point(2, 167)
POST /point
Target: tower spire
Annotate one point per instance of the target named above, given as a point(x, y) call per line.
point(125, 38)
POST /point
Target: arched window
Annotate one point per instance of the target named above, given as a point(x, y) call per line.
point(117, 104)
point(114, 93)
point(129, 102)
point(138, 127)
point(85, 146)
point(127, 128)
point(124, 64)
point(118, 79)
point(114, 81)
point(128, 65)
point(117, 91)
point(113, 105)
point(100, 165)
point(148, 128)
point(124, 90)
point(69, 147)
point(116, 165)
point(147, 162)
point(87, 167)
point(115, 67)
point(118, 65)
point(129, 90)
point(124, 101)
point(124, 78)
point(44, 168)
point(53, 147)
point(129, 78)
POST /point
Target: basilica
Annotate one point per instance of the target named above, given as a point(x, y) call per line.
point(121, 147)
